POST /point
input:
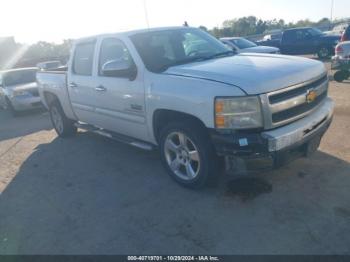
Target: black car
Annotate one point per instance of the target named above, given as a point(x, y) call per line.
point(301, 41)
point(306, 40)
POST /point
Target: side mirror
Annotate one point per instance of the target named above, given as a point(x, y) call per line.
point(234, 50)
point(119, 68)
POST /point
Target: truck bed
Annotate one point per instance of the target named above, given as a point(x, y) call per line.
point(53, 84)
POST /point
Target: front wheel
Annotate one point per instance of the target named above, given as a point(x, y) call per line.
point(64, 127)
point(10, 108)
point(187, 154)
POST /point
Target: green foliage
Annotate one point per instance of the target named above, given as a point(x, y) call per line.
point(33, 54)
point(251, 25)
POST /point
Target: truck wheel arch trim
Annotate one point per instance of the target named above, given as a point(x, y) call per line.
point(161, 117)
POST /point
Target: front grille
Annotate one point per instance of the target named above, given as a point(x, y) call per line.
point(290, 104)
point(298, 110)
point(295, 92)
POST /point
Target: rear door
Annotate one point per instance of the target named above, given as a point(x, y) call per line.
point(81, 81)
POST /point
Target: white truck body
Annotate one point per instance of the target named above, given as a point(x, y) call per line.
point(129, 106)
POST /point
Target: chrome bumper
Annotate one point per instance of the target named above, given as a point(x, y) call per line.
point(26, 102)
point(284, 137)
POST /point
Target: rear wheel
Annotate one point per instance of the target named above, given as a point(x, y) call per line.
point(64, 127)
point(187, 154)
point(324, 52)
point(340, 76)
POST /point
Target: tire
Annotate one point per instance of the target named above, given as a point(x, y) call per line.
point(324, 52)
point(187, 154)
point(340, 76)
point(9, 107)
point(63, 126)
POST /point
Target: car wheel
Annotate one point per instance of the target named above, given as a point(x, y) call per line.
point(340, 76)
point(324, 52)
point(187, 154)
point(64, 127)
point(9, 107)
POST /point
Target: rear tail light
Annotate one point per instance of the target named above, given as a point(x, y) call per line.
point(344, 38)
point(339, 50)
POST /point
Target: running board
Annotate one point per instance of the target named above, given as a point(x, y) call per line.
point(117, 137)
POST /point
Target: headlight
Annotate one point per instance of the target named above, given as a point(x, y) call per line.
point(20, 93)
point(238, 113)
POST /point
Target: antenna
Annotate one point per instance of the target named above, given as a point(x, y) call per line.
point(146, 12)
point(332, 7)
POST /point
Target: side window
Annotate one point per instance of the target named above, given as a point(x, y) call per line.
point(83, 58)
point(300, 35)
point(113, 49)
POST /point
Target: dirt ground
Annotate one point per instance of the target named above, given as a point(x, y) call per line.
point(90, 195)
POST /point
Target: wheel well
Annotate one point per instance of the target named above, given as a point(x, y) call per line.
point(162, 117)
point(50, 98)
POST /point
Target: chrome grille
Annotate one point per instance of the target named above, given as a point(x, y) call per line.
point(289, 104)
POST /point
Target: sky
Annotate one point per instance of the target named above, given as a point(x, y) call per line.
point(54, 20)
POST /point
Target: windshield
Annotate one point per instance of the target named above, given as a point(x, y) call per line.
point(19, 77)
point(161, 49)
point(242, 43)
point(315, 31)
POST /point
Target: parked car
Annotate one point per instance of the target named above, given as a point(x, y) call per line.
point(242, 45)
point(307, 40)
point(273, 40)
point(346, 35)
point(341, 61)
point(19, 90)
point(49, 65)
point(340, 28)
point(145, 88)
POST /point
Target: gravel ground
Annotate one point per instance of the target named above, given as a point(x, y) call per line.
point(90, 195)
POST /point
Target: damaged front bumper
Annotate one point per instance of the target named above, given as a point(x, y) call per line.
point(274, 148)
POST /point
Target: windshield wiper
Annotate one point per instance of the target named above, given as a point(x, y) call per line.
point(184, 61)
point(226, 53)
point(196, 59)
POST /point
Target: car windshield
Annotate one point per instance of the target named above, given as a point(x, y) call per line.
point(315, 31)
point(162, 49)
point(242, 43)
point(19, 77)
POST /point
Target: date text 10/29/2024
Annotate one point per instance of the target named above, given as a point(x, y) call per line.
point(173, 258)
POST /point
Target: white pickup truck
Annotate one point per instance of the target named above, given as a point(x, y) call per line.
point(183, 91)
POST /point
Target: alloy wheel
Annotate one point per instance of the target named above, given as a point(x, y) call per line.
point(182, 156)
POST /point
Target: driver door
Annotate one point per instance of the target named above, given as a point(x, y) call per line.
point(119, 101)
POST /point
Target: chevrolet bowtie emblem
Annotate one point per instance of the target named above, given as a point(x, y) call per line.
point(311, 96)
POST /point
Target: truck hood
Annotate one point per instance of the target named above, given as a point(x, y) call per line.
point(23, 87)
point(260, 49)
point(253, 73)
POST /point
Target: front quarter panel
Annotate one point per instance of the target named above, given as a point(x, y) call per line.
point(184, 94)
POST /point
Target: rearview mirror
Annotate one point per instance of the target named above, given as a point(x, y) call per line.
point(119, 68)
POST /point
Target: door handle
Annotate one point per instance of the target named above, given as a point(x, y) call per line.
point(73, 85)
point(100, 88)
